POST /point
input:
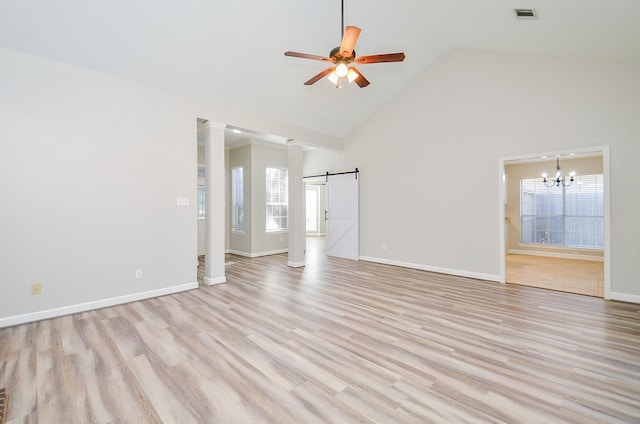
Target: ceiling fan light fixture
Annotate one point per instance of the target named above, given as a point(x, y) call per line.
point(342, 69)
point(352, 75)
point(333, 77)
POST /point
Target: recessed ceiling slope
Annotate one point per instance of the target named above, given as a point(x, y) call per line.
point(230, 53)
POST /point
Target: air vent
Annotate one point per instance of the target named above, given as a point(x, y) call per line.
point(525, 14)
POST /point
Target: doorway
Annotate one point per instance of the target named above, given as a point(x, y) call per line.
point(550, 262)
point(316, 209)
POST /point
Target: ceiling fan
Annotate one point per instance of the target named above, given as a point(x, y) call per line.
point(344, 57)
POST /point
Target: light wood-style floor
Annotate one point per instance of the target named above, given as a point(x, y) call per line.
point(567, 275)
point(335, 342)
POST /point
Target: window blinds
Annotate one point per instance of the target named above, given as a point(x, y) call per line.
point(564, 216)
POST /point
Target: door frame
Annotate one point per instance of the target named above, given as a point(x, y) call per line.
point(604, 150)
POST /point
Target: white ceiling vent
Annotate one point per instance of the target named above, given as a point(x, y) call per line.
point(525, 13)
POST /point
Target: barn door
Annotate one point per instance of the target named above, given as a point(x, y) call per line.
point(342, 216)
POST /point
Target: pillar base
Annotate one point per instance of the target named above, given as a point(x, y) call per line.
point(213, 281)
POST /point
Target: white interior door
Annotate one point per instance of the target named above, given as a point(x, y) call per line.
point(343, 216)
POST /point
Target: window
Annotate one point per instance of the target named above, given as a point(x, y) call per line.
point(237, 200)
point(201, 202)
point(563, 216)
point(277, 199)
point(312, 209)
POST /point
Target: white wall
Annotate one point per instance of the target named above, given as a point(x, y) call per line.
point(429, 159)
point(91, 167)
point(517, 171)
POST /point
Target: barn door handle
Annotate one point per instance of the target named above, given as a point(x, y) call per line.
point(325, 214)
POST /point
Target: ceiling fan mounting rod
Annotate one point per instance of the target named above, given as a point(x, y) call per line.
point(342, 27)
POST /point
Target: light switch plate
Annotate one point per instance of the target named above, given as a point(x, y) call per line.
point(182, 201)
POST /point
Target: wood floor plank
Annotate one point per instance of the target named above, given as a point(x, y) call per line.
point(337, 341)
point(167, 402)
point(326, 406)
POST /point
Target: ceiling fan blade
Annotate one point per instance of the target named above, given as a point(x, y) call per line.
point(360, 80)
point(349, 40)
point(378, 58)
point(320, 75)
point(308, 56)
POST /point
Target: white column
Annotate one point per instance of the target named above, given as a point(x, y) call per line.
point(215, 204)
point(296, 206)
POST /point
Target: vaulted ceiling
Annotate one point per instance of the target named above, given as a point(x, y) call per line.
point(232, 52)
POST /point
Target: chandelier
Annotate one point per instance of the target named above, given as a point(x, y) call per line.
point(559, 178)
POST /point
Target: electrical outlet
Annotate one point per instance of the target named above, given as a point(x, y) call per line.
point(139, 274)
point(384, 247)
point(36, 288)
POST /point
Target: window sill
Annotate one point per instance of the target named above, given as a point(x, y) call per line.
point(561, 248)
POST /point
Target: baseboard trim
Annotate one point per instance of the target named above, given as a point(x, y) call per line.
point(213, 281)
point(624, 297)
point(89, 306)
point(557, 255)
point(295, 264)
point(258, 254)
point(439, 270)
